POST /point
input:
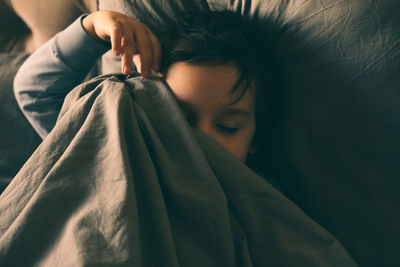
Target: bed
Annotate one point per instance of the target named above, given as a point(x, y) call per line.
point(334, 151)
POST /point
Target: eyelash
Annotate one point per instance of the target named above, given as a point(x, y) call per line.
point(227, 130)
point(221, 128)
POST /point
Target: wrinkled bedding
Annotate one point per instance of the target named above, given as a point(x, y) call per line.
point(122, 180)
point(336, 150)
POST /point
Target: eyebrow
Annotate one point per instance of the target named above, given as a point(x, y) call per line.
point(225, 111)
point(231, 111)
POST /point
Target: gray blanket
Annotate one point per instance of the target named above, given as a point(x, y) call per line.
point(122, 180)
point(336, 151)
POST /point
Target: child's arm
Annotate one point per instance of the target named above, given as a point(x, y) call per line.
point(52, 71)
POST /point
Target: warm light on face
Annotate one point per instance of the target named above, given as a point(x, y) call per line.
point(205, 96)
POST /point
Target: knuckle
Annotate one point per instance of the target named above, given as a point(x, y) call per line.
point(146, 44)
point(115, 27)
point(128, 42)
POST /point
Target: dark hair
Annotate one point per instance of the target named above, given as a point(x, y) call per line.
point(223, 36)
point(213, 37)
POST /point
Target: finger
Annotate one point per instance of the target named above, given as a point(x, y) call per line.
point(145, 47)
point(156, 49)
point(116, 38)
point(156, 52)
point(136, 60)
point(128, 48)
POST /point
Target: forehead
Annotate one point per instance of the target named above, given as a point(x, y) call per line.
point(208, 86)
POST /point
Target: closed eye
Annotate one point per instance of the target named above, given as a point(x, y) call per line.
point(227, 130)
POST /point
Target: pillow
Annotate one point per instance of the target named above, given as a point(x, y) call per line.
point(18, 140)
point(336, 149)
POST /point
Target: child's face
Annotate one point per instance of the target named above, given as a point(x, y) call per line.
point(204, 93)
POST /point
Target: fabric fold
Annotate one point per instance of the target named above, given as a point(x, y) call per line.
point(122, 180)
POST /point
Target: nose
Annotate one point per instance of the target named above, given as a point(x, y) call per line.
point(207, 127)
point(203, 126)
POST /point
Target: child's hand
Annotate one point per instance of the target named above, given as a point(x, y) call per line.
point(129, 38)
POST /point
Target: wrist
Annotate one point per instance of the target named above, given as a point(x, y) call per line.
point(88, 27)
point(77, 48)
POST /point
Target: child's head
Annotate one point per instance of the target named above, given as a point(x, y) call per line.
point(212, 63)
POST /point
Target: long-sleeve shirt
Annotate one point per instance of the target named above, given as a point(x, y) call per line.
point(51, 72)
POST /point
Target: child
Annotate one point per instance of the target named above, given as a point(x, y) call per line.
point(210, 60)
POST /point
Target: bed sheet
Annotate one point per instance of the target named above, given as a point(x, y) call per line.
point(122, 180)
point(336, 149)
